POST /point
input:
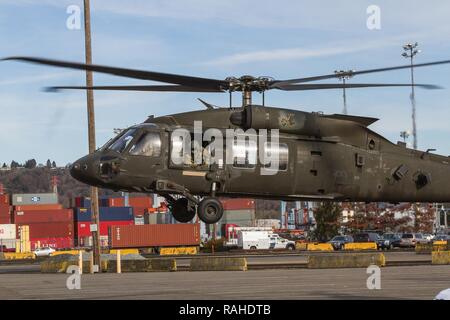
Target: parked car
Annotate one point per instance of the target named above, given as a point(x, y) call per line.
point(366, 237)
point(441, 237)
point(409, 240)
point(388, 241)
point(338, 242)
point(429, 237)
point(43, 252)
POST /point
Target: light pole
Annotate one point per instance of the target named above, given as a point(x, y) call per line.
point(95, 220)
point(343, 76)
point(410, 51)
point(404, 135)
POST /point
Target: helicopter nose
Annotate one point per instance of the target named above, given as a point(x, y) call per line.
point(84, 170)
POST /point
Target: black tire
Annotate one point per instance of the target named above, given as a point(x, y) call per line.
point(210, 210)
point(290, 247)
point(252, 248)
point(180, 211)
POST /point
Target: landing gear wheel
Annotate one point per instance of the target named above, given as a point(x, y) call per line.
point(180, 211)
point(210, 210)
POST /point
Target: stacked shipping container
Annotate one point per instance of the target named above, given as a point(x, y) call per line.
point(49, 223)
point(5, 209)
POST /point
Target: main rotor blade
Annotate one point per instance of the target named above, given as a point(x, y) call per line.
point(130, 73)
point(353, 73)
point(321, 86)
point(169, 88)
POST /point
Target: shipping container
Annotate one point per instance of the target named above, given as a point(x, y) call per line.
point(106, 214)
point(238, 204)
point(145, 236)
point(83, 229)
point(55, 243)
point(242, 218)
point(34, 198)
point(82, 202)
point(8, 231)
point(49, 230)
point(39, 207)
point(107, 201)
point(140, 211)
point(37, 216)
point(140, 202)
point(157, 218)
point(4, 199)
point(5, 214)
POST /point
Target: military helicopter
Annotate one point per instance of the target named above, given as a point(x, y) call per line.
point(318, 156)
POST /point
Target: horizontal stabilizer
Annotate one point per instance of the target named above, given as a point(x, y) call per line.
point(365, 121)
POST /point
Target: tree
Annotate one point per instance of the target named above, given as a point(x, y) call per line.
point(53, 164)
point(14, 164)
point(327, 221)
point(30, 164)
point(49, 164)
point(4, 166)
point(424, 218)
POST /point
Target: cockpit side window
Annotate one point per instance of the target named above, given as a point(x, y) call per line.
point(122, 143)
point(149, 144)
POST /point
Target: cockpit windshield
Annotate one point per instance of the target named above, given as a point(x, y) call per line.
point(122, 143)
point(149, 144)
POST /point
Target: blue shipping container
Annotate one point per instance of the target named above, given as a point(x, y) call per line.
point(106, 214)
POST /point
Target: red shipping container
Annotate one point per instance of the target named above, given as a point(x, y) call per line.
point(238, 204)
point(156, 235)
point(5, 220)
point(83, 228)
point(4, 199)
point(55, 243)
point(49, 230)
point(139, 211)
point(140, 202)
point(39, 207)
point(5, 210)
point(38, 216)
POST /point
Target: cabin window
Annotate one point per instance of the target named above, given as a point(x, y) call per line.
point(280, 153)
point(245, 152)
point(149, 144)
point(122, 143)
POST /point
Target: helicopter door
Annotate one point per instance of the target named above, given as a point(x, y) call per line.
point(144, 155)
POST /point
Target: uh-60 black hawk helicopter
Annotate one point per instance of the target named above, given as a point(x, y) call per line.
point(319, 157)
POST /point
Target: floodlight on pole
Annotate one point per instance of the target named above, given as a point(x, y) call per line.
point(344, 75)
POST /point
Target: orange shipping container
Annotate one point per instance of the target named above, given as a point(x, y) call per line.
point(141, 202)
point(40, 207)
point(155, 235)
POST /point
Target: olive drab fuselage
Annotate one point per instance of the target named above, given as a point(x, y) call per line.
point(329, 157)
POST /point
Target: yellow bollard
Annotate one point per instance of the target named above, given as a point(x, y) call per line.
point(80, 261)
point(119, 265)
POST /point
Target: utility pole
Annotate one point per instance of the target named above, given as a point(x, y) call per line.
point(343, 76)
point(95, 221)
point(410, 51)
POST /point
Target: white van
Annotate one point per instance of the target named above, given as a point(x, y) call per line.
point(253, 240)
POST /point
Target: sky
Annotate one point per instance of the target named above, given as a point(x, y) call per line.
point(282, 39)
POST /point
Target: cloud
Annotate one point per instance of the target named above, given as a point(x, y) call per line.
point(302, 53)
point(36, 78)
